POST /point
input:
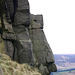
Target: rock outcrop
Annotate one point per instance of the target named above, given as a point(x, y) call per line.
point(23, 39)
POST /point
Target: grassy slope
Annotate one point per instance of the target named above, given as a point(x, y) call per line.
point(13, 68)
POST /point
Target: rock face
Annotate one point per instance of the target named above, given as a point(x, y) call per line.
point(23, 44)
point(23, 38)
point(22, 15)
point(41, 48)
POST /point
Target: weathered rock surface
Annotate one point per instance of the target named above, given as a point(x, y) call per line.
point(41, 48)
point(23, 38)
point(8, 36)
point(52, 67)
point(23, 45)
point(43, 69)
point(8, 33)
point(22, 15)
point(9, 48)
point(10, 6)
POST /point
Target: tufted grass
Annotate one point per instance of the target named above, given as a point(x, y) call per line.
point(10, 67)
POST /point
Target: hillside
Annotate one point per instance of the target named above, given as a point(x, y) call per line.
point(72, 72)
point(65, 64)
point(65, 61)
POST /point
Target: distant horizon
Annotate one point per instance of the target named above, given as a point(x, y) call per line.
point(64, 54)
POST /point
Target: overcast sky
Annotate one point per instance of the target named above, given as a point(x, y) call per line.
point(59, 23)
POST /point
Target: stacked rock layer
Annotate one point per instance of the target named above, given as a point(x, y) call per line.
point(23, 38)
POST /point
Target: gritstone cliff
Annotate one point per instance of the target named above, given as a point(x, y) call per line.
point(22, 37)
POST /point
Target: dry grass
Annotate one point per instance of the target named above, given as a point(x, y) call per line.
point(2, 46)
point(13, 68)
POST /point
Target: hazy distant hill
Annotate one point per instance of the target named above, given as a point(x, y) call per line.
point(71, 72)
point(65, 64)
point(65, 61)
